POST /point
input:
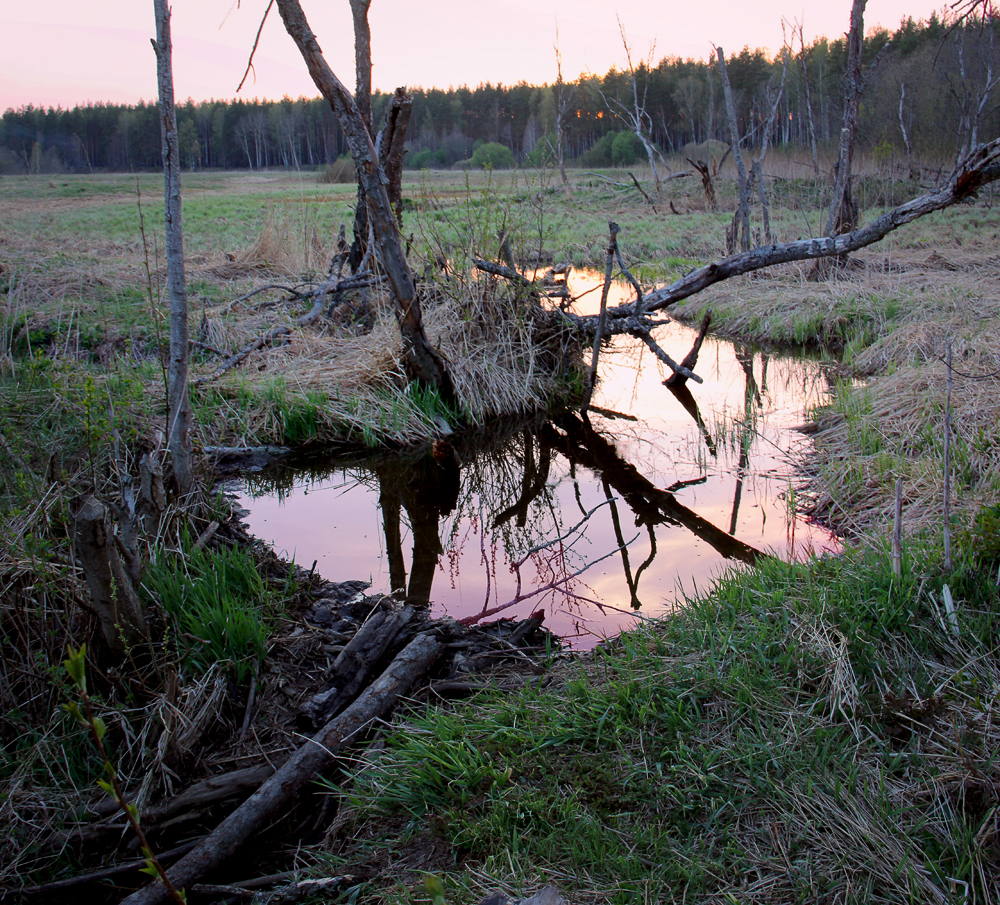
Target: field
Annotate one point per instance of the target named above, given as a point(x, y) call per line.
point(821, 732)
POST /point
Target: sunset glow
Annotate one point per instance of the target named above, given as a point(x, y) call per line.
point(57, 53)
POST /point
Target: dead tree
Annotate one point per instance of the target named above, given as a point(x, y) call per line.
point(363, 99)
point(809, 110)
point(178, 404)
point(638, 120)
point(741, 219)
point(422, 361)
point(391, 146)
point(562, 96)
point(972, 99)
point(843, 216)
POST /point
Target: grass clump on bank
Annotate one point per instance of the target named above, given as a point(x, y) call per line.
point(815, 732)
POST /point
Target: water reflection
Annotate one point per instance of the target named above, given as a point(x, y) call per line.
point(660, 489)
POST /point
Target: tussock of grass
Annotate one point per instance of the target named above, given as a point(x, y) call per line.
point(806, 733)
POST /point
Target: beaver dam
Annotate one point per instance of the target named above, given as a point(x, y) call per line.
point(595, 524)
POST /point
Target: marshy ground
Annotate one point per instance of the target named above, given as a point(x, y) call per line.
point(821, 732)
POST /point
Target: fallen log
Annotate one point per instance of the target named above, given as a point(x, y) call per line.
point(356, 661)
point(317, 754)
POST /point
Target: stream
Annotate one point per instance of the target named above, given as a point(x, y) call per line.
point(597, 525)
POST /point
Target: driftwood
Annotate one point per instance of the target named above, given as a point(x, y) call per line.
point(317, 754)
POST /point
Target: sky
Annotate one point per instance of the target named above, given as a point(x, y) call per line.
point(64, 52)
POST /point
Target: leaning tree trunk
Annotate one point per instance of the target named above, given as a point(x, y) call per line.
point(178, 404)
point(422, 362)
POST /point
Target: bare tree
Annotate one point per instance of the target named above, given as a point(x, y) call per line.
point(638, 120)
point(178, 404)
point(809, 109)
point(843, 216)
point(563, 97)
point(741, 220)
point(906, 135)
point(971, 94)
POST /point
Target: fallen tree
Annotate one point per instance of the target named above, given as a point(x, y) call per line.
point(978, 168)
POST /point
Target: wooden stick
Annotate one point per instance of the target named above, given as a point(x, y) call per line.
point(947, 464)
point(897, 531)
point(317, 754)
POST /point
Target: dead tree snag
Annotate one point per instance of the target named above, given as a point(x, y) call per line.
point(422, 361)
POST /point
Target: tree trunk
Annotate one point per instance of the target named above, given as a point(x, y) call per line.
point(843, 216)
point(392, 148)
point(112, 596)
point(741, 220)
point(178, 404)
point(363, 98)
point(422, 362)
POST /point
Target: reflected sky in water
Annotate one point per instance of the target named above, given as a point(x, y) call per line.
point(672, 500)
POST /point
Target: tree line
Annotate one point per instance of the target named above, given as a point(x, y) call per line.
point(931, 88)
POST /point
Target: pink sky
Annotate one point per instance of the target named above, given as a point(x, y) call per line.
point(64, 52)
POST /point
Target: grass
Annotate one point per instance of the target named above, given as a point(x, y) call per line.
point(218, 606)
point(813, 732)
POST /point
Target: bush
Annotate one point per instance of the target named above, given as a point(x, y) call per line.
point(340, 172)
point(626, 149)
point(426, 160)
point(493, 155)
point(600, 154)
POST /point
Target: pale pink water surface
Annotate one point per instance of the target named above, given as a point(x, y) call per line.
point(742, 482)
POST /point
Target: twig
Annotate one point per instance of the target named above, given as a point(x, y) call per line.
point(666, 359)
point(253, 50)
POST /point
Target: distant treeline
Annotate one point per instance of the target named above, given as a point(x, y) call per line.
point(930, 78)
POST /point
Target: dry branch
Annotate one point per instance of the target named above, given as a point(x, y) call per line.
point(317, 754)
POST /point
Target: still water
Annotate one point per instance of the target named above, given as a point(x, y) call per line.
point(597, 525)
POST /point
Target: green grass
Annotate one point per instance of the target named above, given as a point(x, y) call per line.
point(792, 729)
point(219, 606)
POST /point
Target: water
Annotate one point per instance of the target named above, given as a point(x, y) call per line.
point(601, 526)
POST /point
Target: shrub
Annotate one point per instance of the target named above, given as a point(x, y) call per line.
point(426, 159)
point(493, 155)
point(340, 172)
point(626, 149)
point(600, 154)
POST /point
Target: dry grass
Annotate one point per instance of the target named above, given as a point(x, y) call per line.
point(351, 376)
